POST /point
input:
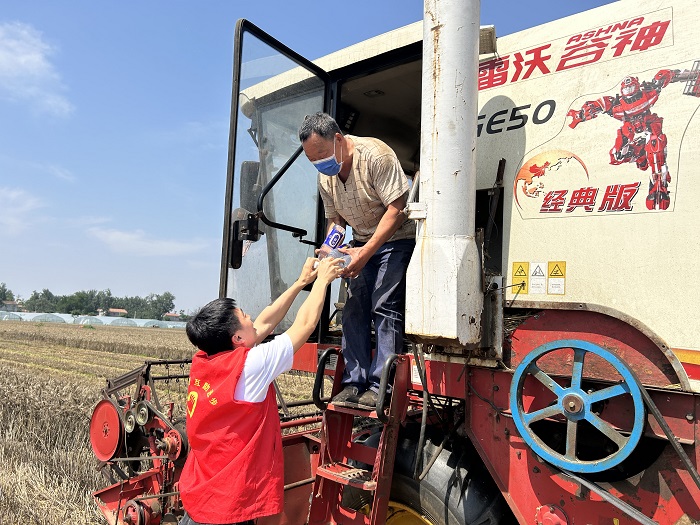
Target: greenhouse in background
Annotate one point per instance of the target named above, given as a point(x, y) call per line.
point(93, 320)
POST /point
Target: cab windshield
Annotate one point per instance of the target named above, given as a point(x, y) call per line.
point(275, 94)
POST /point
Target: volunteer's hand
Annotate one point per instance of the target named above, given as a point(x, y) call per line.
point(308, 272)
point(329, 269)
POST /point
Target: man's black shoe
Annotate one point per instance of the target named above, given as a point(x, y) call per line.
point(349, 396)
point(368, 400)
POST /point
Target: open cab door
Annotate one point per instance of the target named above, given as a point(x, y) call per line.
point(271, 205)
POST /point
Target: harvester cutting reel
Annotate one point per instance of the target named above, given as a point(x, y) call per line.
point(574, 404)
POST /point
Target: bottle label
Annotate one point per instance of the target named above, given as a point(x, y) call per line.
point(335, 236)
point(333, 240)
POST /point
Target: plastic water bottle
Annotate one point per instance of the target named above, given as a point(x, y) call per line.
point(336, 253)
point(333, 240)
point(330, 247)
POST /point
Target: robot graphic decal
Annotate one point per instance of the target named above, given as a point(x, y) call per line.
point(640, 138)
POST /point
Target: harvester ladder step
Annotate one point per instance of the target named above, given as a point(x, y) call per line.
point(336, 472)
point(347, 475)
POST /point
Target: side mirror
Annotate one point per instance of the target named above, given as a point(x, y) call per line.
point(250, 189)
point(244, 228)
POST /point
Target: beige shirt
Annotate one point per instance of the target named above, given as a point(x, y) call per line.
point(375, 181)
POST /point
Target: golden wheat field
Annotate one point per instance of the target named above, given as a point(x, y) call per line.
point(51, 379)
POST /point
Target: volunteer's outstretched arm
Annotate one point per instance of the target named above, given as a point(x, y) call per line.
point(271, 316)
point(310, 312)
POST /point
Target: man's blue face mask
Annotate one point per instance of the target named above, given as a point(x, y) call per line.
point(329, 166)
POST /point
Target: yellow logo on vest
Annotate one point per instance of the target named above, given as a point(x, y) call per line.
point(191, 402)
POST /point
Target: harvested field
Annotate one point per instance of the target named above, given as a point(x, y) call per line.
point(52, 378)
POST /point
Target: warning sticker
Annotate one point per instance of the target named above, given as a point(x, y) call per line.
point(415, 375)
point(556, 277)
point(520, 278)
point(557, 269)
point(538, 278)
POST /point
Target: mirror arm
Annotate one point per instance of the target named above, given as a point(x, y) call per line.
point(296, 232)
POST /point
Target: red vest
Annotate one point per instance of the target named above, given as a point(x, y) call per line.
point(234, 470)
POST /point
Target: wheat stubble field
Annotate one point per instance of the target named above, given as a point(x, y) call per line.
point(51, 376)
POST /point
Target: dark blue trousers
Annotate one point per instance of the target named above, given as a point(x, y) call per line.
point(377, 295)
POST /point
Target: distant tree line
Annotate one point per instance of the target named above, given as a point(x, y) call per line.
point(5, 293)
point(88, 302)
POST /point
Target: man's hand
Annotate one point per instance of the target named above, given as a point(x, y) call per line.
point(390, 222)
point(308, 273)
point(358, 261)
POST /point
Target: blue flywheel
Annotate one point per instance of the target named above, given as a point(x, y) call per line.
point(573, 405)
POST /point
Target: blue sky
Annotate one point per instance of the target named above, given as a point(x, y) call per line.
point(114, 130)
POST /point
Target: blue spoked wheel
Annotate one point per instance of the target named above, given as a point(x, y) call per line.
point(574, 405)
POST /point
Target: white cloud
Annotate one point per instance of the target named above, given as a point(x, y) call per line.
point(17, 210)
point(139, 243)
point(87, 220)
point(26, 73)
point(61, 173)
point(43, 169)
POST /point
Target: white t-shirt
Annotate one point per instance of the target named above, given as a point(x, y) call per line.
point(263, 364)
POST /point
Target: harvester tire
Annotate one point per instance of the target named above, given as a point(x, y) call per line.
point(457, 490)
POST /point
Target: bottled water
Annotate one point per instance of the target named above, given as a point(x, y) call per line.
point(330, 246)
point(334, 239)
point(336, 253)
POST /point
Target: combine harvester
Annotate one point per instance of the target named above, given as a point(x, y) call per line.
point(552, 365)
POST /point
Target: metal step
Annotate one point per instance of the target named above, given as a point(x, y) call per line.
point(355, 411)
point(338, 449)
point(347, 475)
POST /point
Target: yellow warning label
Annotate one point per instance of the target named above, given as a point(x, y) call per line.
point(520, 278)
point(557, 268)
point(556, 277)
point(521, 271)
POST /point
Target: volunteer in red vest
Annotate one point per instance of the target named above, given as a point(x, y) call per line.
point(234, 471)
